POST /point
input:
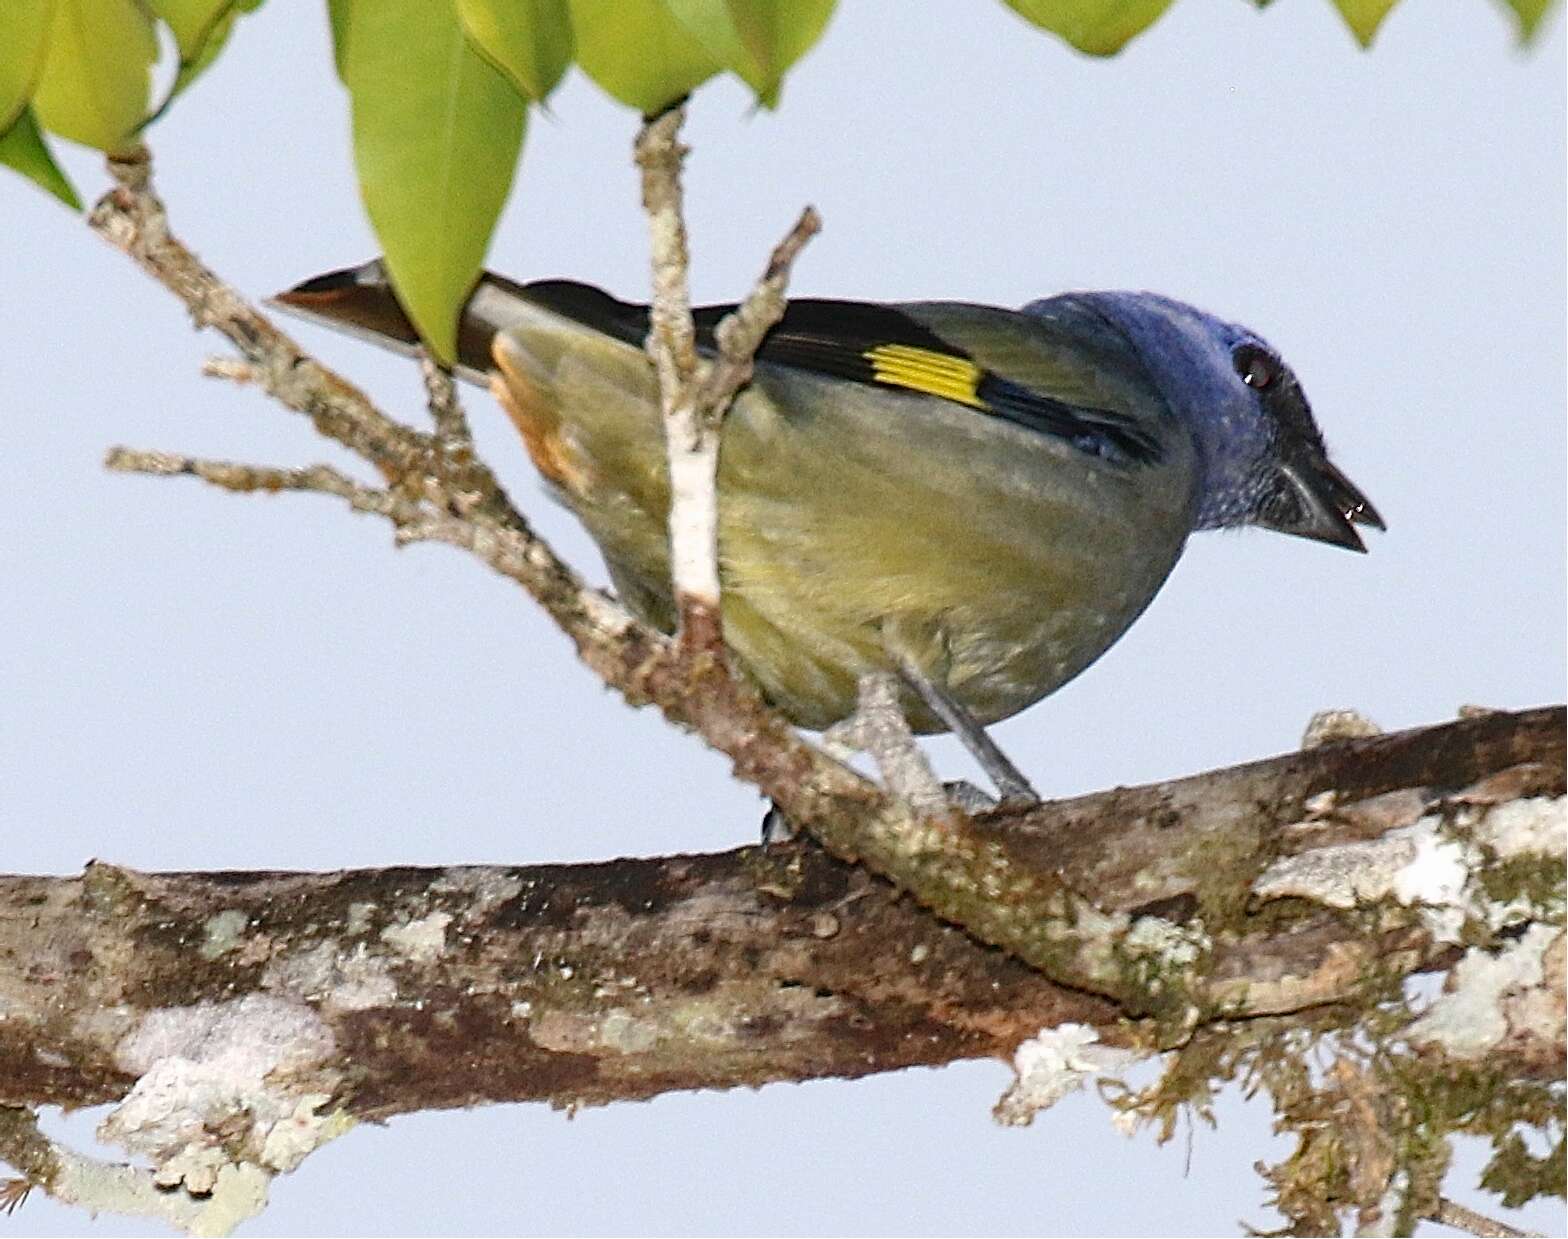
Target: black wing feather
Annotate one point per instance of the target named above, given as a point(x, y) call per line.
point(835, 337)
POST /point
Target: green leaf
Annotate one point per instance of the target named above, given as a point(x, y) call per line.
point(437, 132)
point(24, 36)
point(1529, 14)
point(207, 50)
point(757, 40)
point(338, 14)
point(1099, 27)
point(638, 52)
point(530, 40)
point(1364, 17)
point(97, 73)
point(192, 21)
point(22, 148)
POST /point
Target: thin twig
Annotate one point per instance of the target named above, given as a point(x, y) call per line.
point(445, 410)
point(741, 332)
point(672, 334)
point(132, 218)
point(1462, 1217)
point(251, 479)
point(689, 437)
point(230, 368)
point(509, 553)
point(694, 395)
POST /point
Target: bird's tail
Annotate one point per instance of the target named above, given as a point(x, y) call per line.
point(360, 302)
point(546, 350)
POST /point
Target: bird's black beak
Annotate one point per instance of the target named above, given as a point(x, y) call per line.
point(1313, 499)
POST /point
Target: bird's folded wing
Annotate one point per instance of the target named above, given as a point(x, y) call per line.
point(998, 362)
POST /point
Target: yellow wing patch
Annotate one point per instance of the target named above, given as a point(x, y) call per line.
point(919, 369)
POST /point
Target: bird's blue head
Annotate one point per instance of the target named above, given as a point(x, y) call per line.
point(1261, 457)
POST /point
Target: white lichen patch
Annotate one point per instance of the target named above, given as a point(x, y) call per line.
point(1534, 825)
point(352, 981)
point(1334, 726)
point(484, 887)
point(1342, 875)
point(215, 1085)
point(238, 1193)
point(252, 1036)
point(360, 917)
point(1428, 864)
point(422, 940)
point(627, 1034)
point(1178, 946)
point(298, 1134)
point(222, 933)
point(1088, 924)
point(1436, 874)
point(1488, 996)
point(1052, 1064)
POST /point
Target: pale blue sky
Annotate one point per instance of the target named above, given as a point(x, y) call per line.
point(195, 680)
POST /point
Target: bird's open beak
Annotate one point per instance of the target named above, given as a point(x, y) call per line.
point(1317, 501)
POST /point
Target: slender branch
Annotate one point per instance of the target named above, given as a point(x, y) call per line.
point(132, 218)
point(694, 395)
point(99, 1186)
point(740, 333)
point(673, 336)
point(1461, 1217)
point(672, 343)
point(251, 479)
point(446, 411)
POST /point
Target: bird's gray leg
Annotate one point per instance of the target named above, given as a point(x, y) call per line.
point(878, 727)
point(1010, 782)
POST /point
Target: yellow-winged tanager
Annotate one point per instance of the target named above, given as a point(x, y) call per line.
point(980, 500)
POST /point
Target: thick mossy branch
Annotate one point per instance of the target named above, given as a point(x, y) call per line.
point(568, 984)
point(586, 983)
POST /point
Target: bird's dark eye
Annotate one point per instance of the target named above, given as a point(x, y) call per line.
point(1257, 367)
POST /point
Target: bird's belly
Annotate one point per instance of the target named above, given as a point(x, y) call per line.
point(997, 651)
point(1002, 562)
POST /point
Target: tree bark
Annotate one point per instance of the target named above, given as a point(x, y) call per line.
point(582, 984)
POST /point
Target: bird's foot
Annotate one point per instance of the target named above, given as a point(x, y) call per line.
point(971, 799)
point(1011, 785)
